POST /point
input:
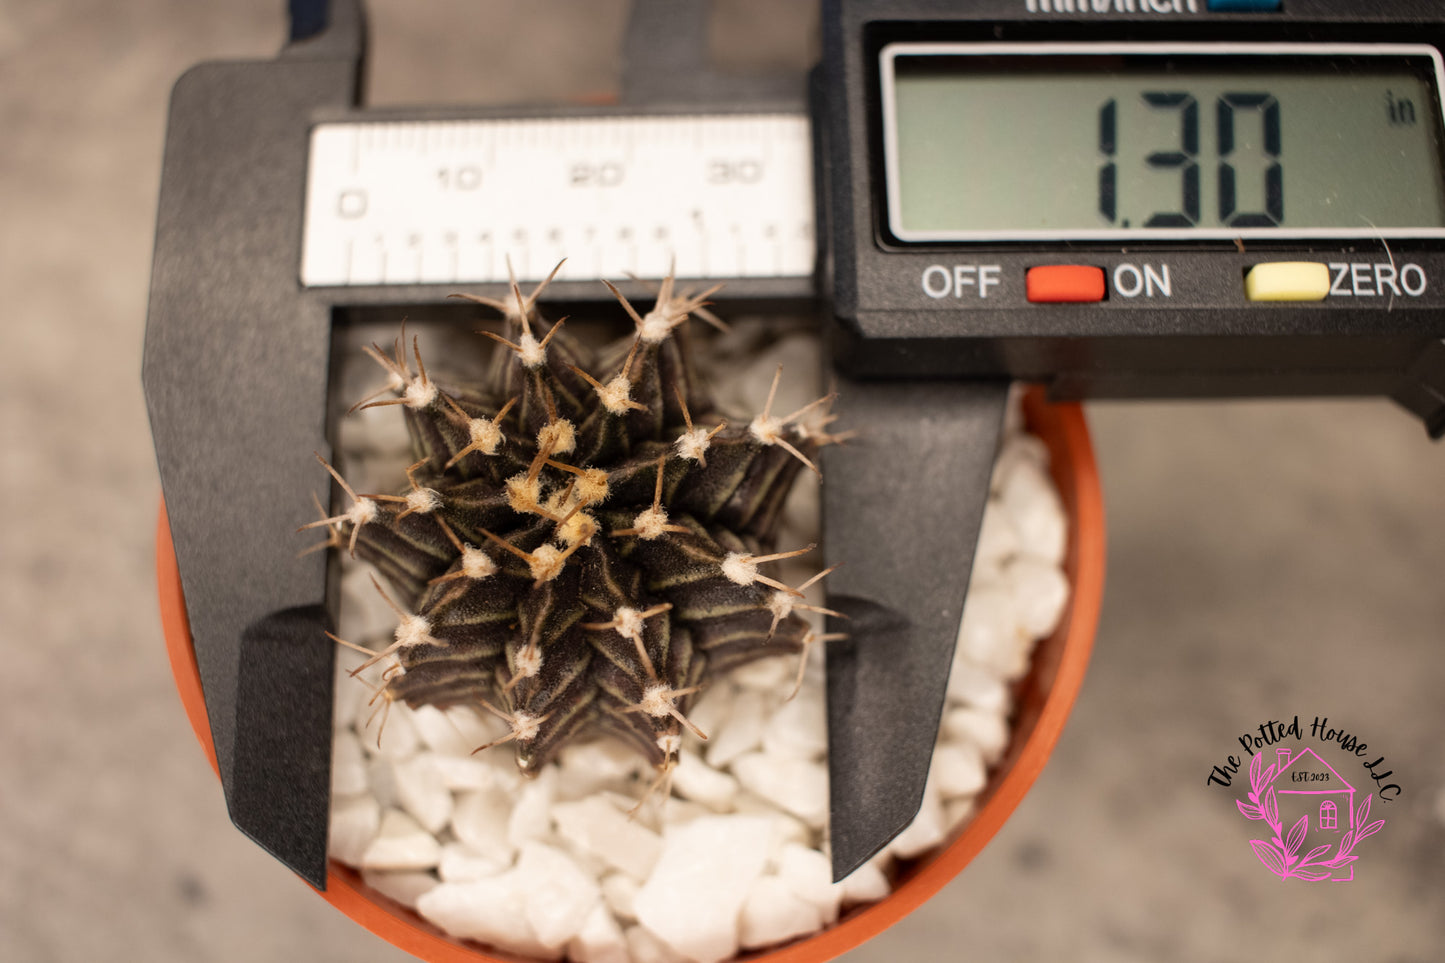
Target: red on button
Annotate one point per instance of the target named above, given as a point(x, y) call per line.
point(1055, 283)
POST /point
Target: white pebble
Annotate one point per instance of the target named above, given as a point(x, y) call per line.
point(422, 792)
point(1032, 505)
point(373, 432)
point(1013, 411)
point(475, 726)
point(799, 729)
point(464, 773)
point(381, 774)
point(401, 844)
point(596, 826)
point(644, 947)
point(975, 686)
point(364, 615)
point(743, 731)
point(786, 828)
point(692, 899)
point(590, 767)
point(559, 894)
point(1040, 595)
point(868, 883)
point(674, 811)
point(773, 913)
point(796, 785)
point(696, 780)
point(1018, 448)
point(490, 911)
point(405, 887)
point(532, 814)
point(348, 694)
point(998, 541)
point(600, 940)
point(348, 765)
point(988, 731)
point(712, 709)
point(459, 863)
point(480, 821)
point(955, 811)
point(767, 675)
point(506, 775)
point(959, 770)
point(989, 633)
point(354, 824)
point(438, 733)
point(620, 892)
point(394, 739)
point(809, 874)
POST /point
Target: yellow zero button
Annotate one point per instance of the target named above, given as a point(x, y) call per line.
point(1287, 281)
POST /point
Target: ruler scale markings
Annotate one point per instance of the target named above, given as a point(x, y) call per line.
point(613, 188)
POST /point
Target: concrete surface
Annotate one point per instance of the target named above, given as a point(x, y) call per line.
point(1265, 560)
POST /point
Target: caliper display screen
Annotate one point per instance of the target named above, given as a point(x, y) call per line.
point(1050, 142)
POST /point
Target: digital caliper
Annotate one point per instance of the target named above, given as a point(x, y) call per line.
point(1118, 198)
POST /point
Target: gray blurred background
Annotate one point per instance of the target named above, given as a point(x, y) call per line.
point(1265, 560)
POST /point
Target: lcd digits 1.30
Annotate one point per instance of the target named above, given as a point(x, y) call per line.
point(1060, 141)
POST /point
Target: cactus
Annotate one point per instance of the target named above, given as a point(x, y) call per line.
point(583, 545)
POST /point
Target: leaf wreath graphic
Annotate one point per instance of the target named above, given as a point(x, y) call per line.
point(1280, 853)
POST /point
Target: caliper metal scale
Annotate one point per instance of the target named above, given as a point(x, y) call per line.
point(960, 247)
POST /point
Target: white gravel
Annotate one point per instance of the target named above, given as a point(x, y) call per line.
point(736, 859)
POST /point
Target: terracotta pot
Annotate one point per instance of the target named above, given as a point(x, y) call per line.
point(1043, 700)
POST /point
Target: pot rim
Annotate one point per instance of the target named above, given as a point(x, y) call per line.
point(1065, 432)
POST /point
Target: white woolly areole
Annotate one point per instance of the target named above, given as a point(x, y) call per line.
point(485, 435)
point(629, 622)
point(740, 568)
point(592, 486)
point(525, 726)
point(657, 700)
point(558, 437)
point(670, 743)
point(547, 563)
point(362, 512)
point(692, 444)
point(423, 500)
point(615, 395)
point(477, 563)
point(781, 605)
point(414, 630)
point(650, 523)
point(529, 661)
point(655, 327)
point(531, 350)
point(766, 430)
point(522, 494)
point(578, 530)
point(419, 394)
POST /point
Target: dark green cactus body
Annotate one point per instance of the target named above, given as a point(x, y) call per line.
point(565, 605)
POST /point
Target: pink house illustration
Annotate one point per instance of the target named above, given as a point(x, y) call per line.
point(1306, 785)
